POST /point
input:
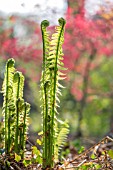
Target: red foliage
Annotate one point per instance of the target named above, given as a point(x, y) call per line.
point(83, 38)
point(25, 51)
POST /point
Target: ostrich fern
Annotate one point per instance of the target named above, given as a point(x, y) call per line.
point(8, 107)
point(50, 91)
point(15, 110)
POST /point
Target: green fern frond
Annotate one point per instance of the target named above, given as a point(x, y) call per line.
point(8, 75)
point(7, 91)
point(18, 85)
point(15, 110)
point(55, 61)
point(24, 126)
point(61, 136)
point(45, 91)
point(50, 86)
point(45, 39)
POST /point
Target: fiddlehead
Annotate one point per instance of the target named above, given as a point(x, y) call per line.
point(44, 88)
point(18, 83)
point(15, 110)
point(8, 107)
point(55, 65)
point(50, 86)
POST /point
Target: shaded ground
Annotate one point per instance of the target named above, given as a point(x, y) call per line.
point(97, 157)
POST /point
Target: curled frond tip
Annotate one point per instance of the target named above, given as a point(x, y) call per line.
point(62, 21)
point(10, 62)
point(45, 23)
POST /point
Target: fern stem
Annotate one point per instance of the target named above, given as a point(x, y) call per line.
point(9, 132)
point(17, 127)
point(24, 128)
point(43, 75)
point(54, 89)
point(6, 112)
point(44, 24)
point(46, 121)
point(17, 116)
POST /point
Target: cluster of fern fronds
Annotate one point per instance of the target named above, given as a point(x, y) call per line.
point(15, 110)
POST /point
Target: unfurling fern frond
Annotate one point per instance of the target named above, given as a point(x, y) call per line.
point(8, 106)
point(18, 83)
point(50, 87)
point(21, 112)
point(60, 137)
point(8, 75)
point(55, 65)
point(23, 125)
point(15, 110)
point(25, 122)
point(45, 87)
point(45, 39)
point(55, 59)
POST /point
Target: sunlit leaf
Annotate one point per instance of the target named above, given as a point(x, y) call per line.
point(39, 141)
point(110, 153)
point(17, 157)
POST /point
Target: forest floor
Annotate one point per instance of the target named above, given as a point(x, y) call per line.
point(99, 156)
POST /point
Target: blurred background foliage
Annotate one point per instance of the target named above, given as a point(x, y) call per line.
point(87, 100)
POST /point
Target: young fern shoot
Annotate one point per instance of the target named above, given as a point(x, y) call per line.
point(56, 64)
point(8, 107)
point(45, 86)
point(50, 88)
point(18, 83)
point(15, 110)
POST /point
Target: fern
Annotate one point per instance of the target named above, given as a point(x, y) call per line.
point(60, 137)
point(51, 88)
point(8, 109)
point(15, 110)
point(24, 126)
point(18, 83)
point(55, 57)
point(21, 112)
point(44, 86)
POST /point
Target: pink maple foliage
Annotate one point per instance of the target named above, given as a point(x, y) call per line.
point(85, 37)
